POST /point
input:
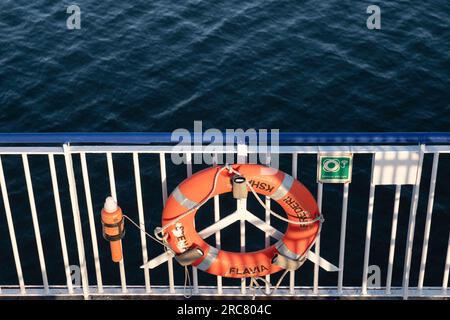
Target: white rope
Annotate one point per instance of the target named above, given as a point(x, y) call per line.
point(160, 230)
point(187, 277)
point(254, 285)
point(160, 241)
point(302, 223)
point(187, 283)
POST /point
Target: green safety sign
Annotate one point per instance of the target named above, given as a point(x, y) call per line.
point(334, 168)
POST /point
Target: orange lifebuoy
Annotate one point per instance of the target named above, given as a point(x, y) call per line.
point(293, 197)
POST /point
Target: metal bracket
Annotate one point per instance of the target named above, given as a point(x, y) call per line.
point(230, 219)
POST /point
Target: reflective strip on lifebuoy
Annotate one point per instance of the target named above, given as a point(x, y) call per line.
point(181, 198)
point(209, 259)
point(284, 250)
point(289, 193)
point(284, 188)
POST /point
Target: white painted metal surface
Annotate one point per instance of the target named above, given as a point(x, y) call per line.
point(137, 178)
point(317, 244)
point(342, 238)
point(228, 291)
point(87, 191)
point(76, 219)
point(217, 234)
point(35, 219)
point(395, 168)
point(426, 236)
point(12, 233)
point(112, 184)
point(394, 224)
point(411, 225)
point(62, 233)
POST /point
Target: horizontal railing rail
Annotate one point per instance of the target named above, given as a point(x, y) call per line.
point(68, 153)
point(284, 137)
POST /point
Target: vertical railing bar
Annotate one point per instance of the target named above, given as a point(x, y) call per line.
point(112, 179)
point(398, 189)
point(267, 238)
point(317, 244)
point(163, 177)
point(188, 164)
point(189, 174)
point(411, 225)
point(12, 233)
point(267, 220)
point(446, 270)
point(426, 236)
point(217, 234)
point(368, 230)
point(218, 240)
point(112, 184)
point(242, 207)
point(76, 219)
point(342, 237)
point(294, 174)
point(137, 179)
point(37, 232)
point(87, 191)
point(62, 233)
point(162, 166)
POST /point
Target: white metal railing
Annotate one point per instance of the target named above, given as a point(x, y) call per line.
point(89, 287)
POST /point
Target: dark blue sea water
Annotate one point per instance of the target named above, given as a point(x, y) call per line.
point(160, 65)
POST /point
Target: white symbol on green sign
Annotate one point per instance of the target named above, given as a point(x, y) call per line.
point(334, 169)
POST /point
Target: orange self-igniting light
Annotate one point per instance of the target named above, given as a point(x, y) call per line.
point(113, 228)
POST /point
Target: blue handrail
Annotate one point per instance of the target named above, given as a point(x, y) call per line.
point(284, 138)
